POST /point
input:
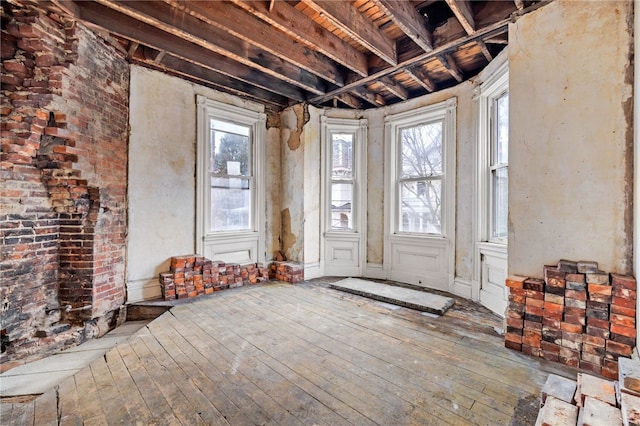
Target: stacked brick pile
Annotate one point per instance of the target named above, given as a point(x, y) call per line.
point(290, 272)
point(577, 315)
point(193, 275)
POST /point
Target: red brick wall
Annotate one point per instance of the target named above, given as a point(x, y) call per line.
point(63, 169)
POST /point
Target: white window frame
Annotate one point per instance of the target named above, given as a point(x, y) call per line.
point(486, 96)
point(351, 243)
point(251, 241)
point(442, 111)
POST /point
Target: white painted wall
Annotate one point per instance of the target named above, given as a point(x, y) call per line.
point(570, 171)
point(161, 185)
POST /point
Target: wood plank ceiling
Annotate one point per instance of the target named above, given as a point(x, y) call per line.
point(342, 53)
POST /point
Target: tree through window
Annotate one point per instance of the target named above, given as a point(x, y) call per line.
point(420, 178)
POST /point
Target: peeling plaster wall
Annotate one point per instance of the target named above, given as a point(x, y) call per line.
point(162, 155)
point(570, 171)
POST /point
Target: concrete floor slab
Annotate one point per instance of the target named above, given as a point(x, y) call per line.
point(413, 299)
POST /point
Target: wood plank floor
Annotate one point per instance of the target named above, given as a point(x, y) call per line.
point(299, 355)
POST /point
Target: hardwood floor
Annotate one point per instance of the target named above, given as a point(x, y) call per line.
point(299, 355)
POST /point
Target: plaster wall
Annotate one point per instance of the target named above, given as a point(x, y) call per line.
point(162, 154)
point(570, 171)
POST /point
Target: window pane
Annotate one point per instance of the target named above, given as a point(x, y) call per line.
point(499, 187)
point(420, 206)
point(341, 206)
point(342, 155)
point(421, 150)
point(230, 204)
point(230, 151)
point(502, 130)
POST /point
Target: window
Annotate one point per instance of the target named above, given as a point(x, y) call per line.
point(492, 100)
point(344, 173)
point(420, 177)
point(230, 182)
point(342, 181)
point(499, 166)
point(422, 169)
point(231, 174)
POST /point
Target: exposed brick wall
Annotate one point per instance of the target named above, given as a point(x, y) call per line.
point(63, 193)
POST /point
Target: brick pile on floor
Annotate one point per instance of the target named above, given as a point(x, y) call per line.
point(577, 315)
point(591, 400)
point(290, 272)
point(193, 275)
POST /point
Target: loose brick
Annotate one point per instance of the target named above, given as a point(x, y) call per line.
point(512, 337)
point(621, 301)
point(587, 267)
point(623, 281)
point(624, 292)
point(597, 278)
point(551, 271)
point(629, 377)
point(551, 322)
point(575, 295)
point(552, 335)
point(619, 348)
point(593, 340)
point(568, 266)
point(534, 310)
point(599, 289)
point(624, 331)
point(532, 317)
point(531, 337)
point(515, 281)
point(569, 357)
point(558, 291)
point(531, 350)
point(622, 320)
point(517, 299)
point(532, 294)
point(555, 282)
point(534, 284)
point(554, 298)
point(592, 367)
point(572, 328)
point(596, 313)
point(575, 278)
point(597, 332)
point(550, 347)
point(532, 325)
point(593, 350)
point(621, 310)
point(597, 322)
point(535, 302)
point(572, 340)
point(631, 341)
point(573, 303)
point(513, 345)
point(514, 322)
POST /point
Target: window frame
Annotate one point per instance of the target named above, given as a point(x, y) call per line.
point(358, 128)
point(446, 113)
point(486, 96)
point(208, 109)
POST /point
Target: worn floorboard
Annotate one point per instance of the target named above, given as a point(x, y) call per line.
point(298, 355)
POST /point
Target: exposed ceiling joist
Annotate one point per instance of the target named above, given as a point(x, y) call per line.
point(143, 33)
point(238, 23)
point(451, 66)
point(407, 18)
point(392, 86)
point(162, 16)
point(422, 78)
point(351, 21)
point(297, 25)
point(462, 10)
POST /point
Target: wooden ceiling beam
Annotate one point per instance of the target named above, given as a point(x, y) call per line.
point(407, 18)
point(249, 28)
point(519, 4)
point(369, 96)
point(488, 32)
point(421, 77)
point(159, 15)
point(175, 65)
point(134, 30)
point(343, 15)
point(297, 25)
point(350, 100)
point(485, 50)
point(451, 66)
point(462, 10)
point(394, 87)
